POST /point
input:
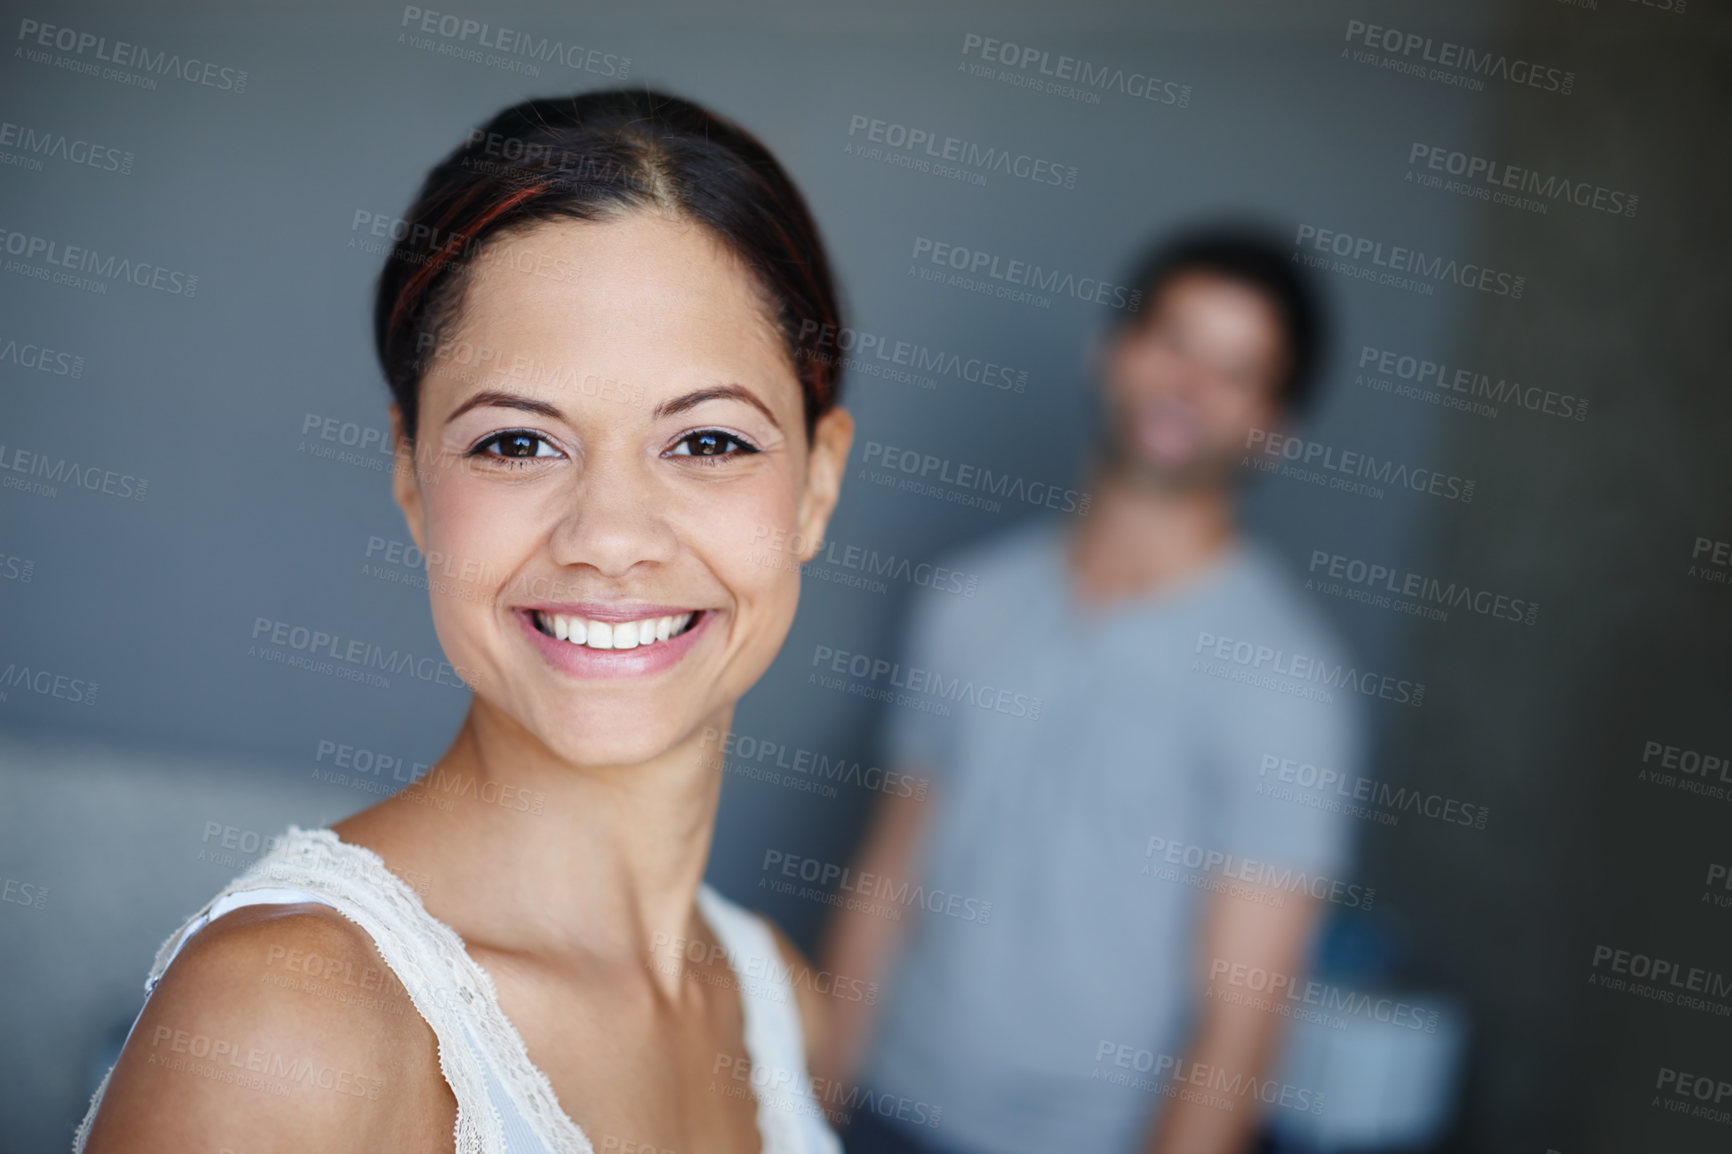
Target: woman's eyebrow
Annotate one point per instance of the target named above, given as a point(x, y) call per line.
point(715, 393)
point(506, 401)
point(668, 407)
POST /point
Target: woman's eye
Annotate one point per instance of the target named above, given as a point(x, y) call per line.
point(710, 443)
point(515, 444)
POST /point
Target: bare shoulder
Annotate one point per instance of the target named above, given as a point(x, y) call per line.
point(277, 1026)
point(812, 992)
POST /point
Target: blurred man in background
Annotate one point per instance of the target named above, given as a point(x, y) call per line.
point(1065, 1003)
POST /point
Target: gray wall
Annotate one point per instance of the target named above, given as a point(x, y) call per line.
point(153, 600)
point(1599, 520)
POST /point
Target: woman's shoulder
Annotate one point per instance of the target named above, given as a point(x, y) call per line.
point(275, 1022)
point(276, 959)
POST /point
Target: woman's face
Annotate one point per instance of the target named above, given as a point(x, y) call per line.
point(609, 435)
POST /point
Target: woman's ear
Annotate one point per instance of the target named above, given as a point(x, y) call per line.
point(405, 487)
point(825, 466)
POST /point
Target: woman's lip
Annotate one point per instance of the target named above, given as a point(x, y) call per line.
point(582, 661)
point(610, 610)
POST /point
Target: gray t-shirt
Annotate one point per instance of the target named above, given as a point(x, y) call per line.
point(1059, 901)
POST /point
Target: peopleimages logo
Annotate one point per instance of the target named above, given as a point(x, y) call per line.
point(124, 55)
point(779, 548)
point(1719, 879)
point(1324, 996)
point(750, 753)
point(14, 568)
point(46, 683)
point(1200, 859)
point(479, 362)
point(899, 467)
point(928, 682)
point(1354, 471)
point(40, 358)
point(1458, 64)
point(1427, 596)
point(1329, 789)
point(865, 351)
point(109, 266)
point(1468, 390)
point(350, 656)
point(1023, 274)
point(836, 879)
point(461, 32)
point(1689, 770)
point(1297, 674)
point(1172, 1076)
point(209, 1054)
point(1695, 1095)
point(929, 145)
point(1500, 183)
point(1661, 980)
point(765, 971)
point(22, 893)
point(1407, 268)
point(35, 144)
point(1073, 78)
point(55, 471)
point(1711, 561)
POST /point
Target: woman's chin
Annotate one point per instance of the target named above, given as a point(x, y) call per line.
point(592, 744)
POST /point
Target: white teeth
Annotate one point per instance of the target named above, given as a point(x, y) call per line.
point(612, 634)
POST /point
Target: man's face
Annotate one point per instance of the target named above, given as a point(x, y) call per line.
point(1188, 382)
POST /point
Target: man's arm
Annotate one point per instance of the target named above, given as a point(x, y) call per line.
point(861, 946)
point(1254, 926)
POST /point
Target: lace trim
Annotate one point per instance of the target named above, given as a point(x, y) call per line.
point(456, 996)
point(82, 1134)
point(470, 999)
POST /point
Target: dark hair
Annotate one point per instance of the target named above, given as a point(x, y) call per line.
point(1251, 256)
point(592, 157)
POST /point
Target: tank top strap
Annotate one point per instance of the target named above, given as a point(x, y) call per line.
point(479, 1049)
point(790, 1119)
point(504, 1101)
point(457, 996)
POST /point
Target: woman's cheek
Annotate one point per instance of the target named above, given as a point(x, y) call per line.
point(470, 536)
point(747, 543)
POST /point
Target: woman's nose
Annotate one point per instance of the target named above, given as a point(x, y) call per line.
point(614, 517)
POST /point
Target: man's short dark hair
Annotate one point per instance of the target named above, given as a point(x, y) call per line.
point(1252, 256)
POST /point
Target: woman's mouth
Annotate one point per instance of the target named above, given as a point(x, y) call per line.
point(591, 634)
point(600, 640)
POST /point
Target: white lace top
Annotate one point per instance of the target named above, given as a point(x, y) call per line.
point(505, 1104)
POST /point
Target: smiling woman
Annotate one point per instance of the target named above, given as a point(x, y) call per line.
point(596, 337)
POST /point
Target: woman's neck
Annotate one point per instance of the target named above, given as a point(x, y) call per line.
point(522, 851)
